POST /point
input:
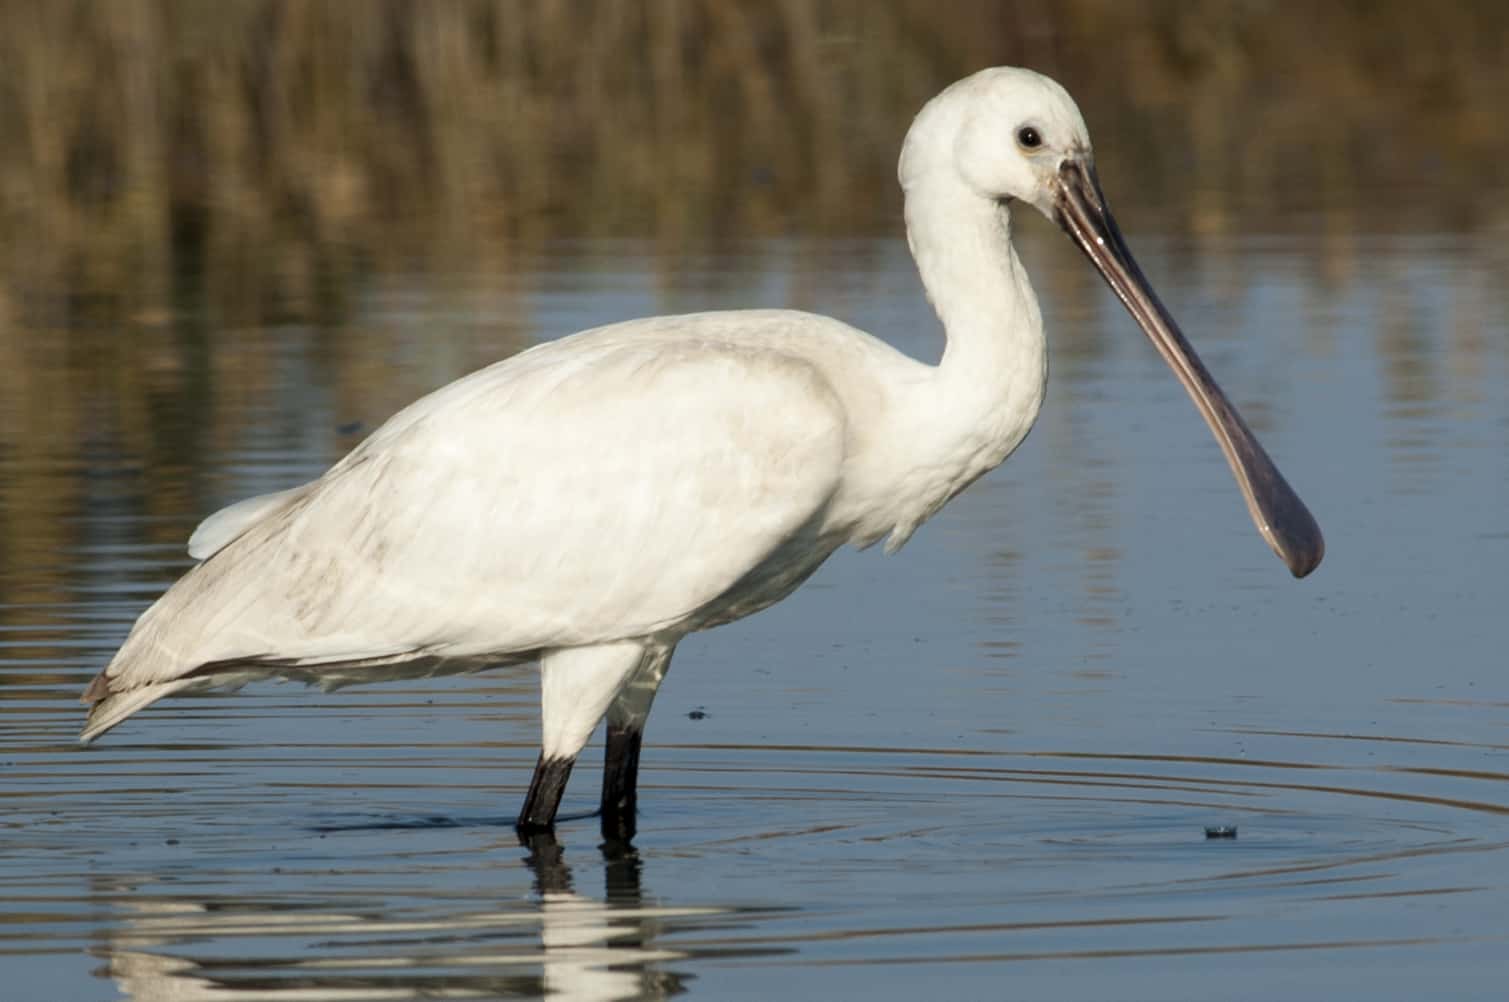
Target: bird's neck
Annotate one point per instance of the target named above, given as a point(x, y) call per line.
point(994, 367)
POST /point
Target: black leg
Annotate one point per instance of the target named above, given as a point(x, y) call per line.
point(620, 779)
point(544, 797)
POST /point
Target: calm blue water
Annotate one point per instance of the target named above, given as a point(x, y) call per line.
point(983, 765)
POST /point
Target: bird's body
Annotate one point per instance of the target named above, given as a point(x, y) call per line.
point(636, 481)
point(591, 501)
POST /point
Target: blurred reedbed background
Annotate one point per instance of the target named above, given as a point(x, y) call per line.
point(182, 131)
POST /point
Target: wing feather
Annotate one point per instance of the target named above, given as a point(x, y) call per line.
point(231, 521)
point(582, 492)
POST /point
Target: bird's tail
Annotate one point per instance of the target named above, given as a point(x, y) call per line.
point(107, 708)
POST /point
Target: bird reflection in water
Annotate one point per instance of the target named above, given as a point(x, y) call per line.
point(563, 945)
point(599, 949)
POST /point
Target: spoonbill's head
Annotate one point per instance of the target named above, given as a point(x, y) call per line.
point(1009, 135)
point(1001, 135)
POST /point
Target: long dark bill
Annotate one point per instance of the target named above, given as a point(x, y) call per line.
point(1276, 510)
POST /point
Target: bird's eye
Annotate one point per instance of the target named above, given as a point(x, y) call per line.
point(1028, 138)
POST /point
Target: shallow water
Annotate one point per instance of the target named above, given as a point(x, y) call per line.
point(990, 759)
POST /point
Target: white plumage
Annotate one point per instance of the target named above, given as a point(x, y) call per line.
point(592, 500)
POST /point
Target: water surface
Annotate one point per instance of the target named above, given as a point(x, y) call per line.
point(985, 763)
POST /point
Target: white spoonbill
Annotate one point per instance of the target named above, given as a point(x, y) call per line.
point(592, 500)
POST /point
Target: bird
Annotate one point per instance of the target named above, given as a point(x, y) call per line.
point(588, 502)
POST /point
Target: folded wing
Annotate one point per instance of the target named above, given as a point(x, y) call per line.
point(579, 493)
